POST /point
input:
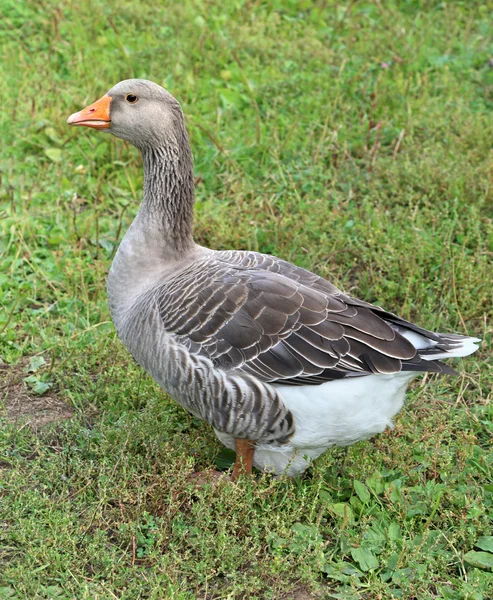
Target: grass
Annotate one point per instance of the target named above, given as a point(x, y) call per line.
point(351, 138)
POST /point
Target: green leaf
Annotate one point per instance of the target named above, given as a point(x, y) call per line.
point(395, 494)
point(482, 560)
point(305, 530)
point(390, 567)
point(35, 362)
point(7, 592)
point(41, 387)
point(365, 558)
point(334, 574)
point(305, 537)
point(376, 535)
point(375, 483)
point(225, 459)
point(485, 542)
point(53, 591)
point(52, 134)
point(276, 542)
point(393, 561)
point(232, 98)
point(344, 572)
point(38, 386)
point(107, 245)
point(343, 510)
point(54, 154)
point(362, 491)
point(394, 531)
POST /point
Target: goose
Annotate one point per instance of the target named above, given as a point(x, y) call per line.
point(279, 361)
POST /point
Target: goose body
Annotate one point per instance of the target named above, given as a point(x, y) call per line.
point(263, 350)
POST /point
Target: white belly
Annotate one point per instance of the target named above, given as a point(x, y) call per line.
point(337, 413)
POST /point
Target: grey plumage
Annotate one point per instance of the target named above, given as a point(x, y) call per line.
point(216, 333)
point(245, 312)
point(219, 331)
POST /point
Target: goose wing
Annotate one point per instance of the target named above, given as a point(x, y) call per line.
point(266, 317)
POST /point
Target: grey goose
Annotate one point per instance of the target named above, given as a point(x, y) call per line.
point(279, 361)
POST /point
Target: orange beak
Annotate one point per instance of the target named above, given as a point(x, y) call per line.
point(96, 115)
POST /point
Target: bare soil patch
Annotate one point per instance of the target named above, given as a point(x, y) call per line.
point(300, 592)
point(22, 406)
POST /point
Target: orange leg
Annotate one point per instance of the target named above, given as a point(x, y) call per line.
point(244, 458)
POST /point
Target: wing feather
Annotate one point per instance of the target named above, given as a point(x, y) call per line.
point(265, 317)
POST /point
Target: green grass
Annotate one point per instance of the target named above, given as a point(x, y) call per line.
point(351, 138)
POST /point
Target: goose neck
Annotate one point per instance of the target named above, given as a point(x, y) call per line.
point(169, 194)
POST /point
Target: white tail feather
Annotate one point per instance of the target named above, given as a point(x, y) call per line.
point(468, 346)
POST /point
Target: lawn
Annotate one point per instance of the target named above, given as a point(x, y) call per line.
point(352, 138)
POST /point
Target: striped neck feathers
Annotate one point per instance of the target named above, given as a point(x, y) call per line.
point(169, 191)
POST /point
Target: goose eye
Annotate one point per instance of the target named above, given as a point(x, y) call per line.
point(132, 98)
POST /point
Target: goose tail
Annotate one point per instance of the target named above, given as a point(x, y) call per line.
point(442, 345)
point(451, 346)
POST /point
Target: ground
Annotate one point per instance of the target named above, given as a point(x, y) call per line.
point(351, 138)
point(23, 407)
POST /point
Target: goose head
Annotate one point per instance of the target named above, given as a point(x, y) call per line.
point(136, 110)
